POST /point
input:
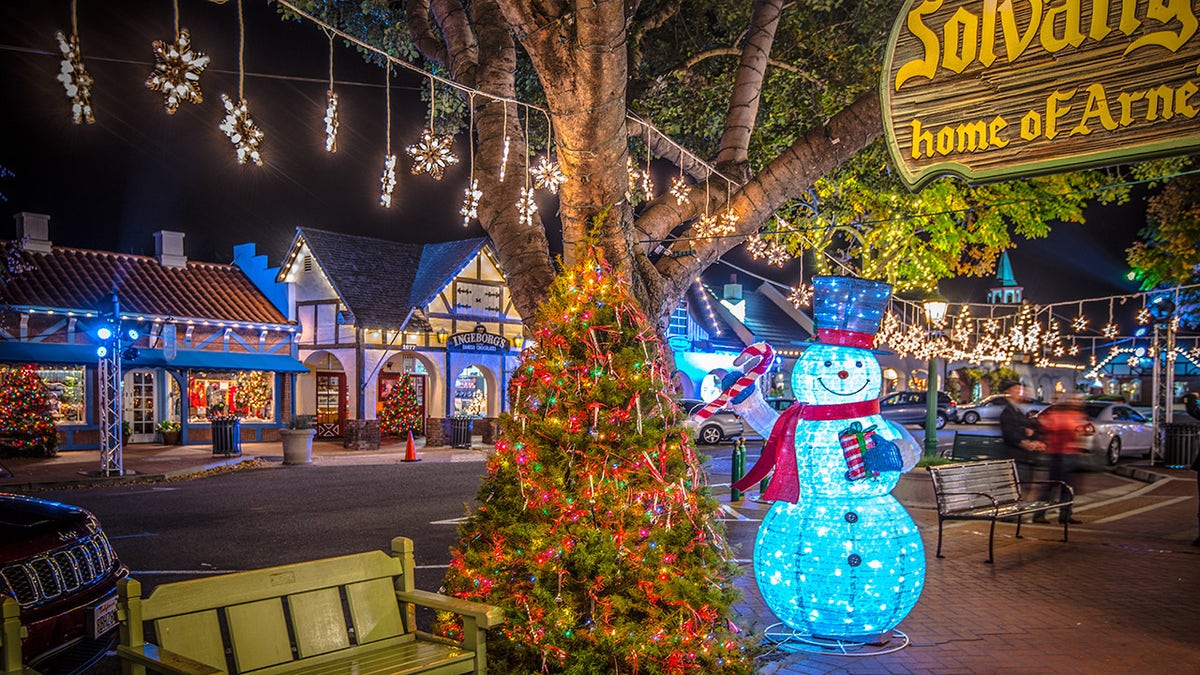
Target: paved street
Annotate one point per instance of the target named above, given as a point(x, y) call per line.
point(1122, 597)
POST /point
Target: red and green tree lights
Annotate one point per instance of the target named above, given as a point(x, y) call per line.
point(595, 531)
point(26, 423)
point(401, 409)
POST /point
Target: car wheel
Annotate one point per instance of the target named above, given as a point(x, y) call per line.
point(941, 421)
point(970, 418)
point(711, 435)
point(1114, 451)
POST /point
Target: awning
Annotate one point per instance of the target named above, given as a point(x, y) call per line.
point(40, 352)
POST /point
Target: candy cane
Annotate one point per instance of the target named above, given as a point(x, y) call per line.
point(760, 349)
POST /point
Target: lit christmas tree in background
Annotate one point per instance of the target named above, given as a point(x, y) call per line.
point(595, 531)
point(26, 423)
point(401, 409)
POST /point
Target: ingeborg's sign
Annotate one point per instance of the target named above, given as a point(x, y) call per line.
point(478, 341)
point(990, 89)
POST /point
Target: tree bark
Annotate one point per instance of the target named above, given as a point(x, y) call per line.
point(747, 88)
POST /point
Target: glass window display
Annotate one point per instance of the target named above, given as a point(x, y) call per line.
point(65, 385)
point(248, 394)
point(470, 394)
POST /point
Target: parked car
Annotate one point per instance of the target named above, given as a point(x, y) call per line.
point(56, 561)
point(908, 407)
point(723, 424)
point(991, 407)
point(780, 404)
point(1113, 429)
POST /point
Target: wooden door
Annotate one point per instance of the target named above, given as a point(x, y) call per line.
point(331, 404)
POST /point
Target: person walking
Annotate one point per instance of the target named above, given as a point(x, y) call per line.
point(1017, 430)
point(1060, 426)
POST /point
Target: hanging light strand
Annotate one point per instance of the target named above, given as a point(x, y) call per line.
point(74, 75)
point(237, 124)
point(331, 103)
point(387, 182)
point(470, 207)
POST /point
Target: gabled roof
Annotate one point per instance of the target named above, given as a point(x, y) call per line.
point(721, 334)
point(770, 323)
point(381, 281)
point(82, 280)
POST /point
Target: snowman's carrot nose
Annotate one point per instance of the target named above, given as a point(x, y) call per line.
point(843, 374)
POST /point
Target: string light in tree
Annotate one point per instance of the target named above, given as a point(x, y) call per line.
point(433, 153)
point(680, 188)
point(526, 207)
point(548, 176)
point(177, 69)
point(387, 182)
point(800, 296)
point(765, 247)
point(237, 124)
point(331, 103)
point(74, 75)
point(504, 150)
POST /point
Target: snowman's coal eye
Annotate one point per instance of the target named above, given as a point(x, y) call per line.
point(858, 364)
point(828, 363)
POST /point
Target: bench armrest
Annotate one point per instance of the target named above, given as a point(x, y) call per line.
point(163, 661)
point(487, 616)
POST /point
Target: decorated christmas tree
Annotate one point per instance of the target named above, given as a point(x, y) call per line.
point(401, 409)
point(26, 422)
point(595, 531)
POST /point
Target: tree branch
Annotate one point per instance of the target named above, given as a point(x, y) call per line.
point(664, 148)
point(461, 45)
point(638, 30)
point(416, 15)
point(747, 87)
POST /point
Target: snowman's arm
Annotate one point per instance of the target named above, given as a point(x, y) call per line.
point(910, 450)
point(755, 412)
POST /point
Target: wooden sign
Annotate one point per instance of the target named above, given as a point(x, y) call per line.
point(479, 341)
point(994, 89)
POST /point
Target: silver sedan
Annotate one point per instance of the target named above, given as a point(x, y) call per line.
point(1113, 430)
point(722, 425)
point(991, 407)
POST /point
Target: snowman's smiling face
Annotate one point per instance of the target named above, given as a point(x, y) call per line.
point(830, 374)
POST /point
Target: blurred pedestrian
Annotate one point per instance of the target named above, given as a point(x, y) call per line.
point(1060, 425)
point(1017, 430)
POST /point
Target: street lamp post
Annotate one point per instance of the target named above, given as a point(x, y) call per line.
point(935, 312)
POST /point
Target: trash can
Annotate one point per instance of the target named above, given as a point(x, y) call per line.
point(227, 436)
point(1181, 445)
point(460, 432)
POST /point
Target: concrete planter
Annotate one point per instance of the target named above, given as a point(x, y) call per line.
point(297, 445)
point(915, 489)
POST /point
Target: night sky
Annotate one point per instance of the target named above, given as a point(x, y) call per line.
point(137, 170)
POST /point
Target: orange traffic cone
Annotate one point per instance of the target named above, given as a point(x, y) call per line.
point(410, 450)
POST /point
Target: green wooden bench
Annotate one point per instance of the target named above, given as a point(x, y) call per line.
point(10, 639)
point(351, 614)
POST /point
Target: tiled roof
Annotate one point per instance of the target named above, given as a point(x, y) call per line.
point(771, 324)
point(381, 281)
point(81, 280)
point(727, 338)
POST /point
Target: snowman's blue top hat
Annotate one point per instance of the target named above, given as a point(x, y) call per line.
point(847, 311)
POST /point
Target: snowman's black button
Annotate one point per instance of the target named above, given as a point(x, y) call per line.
point(851, 517)
point(855, 560)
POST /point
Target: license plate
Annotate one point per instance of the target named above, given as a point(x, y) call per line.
point(102, 617)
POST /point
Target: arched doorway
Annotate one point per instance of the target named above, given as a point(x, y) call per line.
point(474, 393)
point(323, 393)
point(682, 385)
point(422, 376)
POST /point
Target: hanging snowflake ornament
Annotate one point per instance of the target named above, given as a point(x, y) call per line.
point(526, 207)
point(242, 131)
point(177, 69)
point(1073, 350)
point(1079, 323)
point(705, 226)
point(763, 248)
point(331, 122)
point(1109, 330)
point(547, 175)
point(470, 207)
point(75, 78)
point(729, 221)
point(387, 182)
point(680, 189)
point(432, 154)
point(1143, 316)
point(800, 296)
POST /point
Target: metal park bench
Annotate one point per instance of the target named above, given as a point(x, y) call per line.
point(991, 491)
point(293, 619)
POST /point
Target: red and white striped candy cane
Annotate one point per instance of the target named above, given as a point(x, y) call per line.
point(760, 349)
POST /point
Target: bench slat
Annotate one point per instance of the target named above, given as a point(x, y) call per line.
point(216, 592)
point(196, 636)
point(374, 611)
point(388, 657)
point(318, 622)
point(258, 634)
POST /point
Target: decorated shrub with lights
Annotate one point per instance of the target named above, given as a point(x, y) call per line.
point(837, 556)
point(594, 529)
point(401, 409)
point(26, 420)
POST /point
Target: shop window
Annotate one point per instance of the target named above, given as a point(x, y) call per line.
point(470, 393)
point(248, 394)
point(65, 386)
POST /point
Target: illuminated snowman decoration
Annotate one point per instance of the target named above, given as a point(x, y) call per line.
point(836, 556)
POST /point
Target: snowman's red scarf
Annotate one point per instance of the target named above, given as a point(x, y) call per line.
point(779, 453)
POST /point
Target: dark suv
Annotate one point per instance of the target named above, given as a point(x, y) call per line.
point(908, 407)
point(57, 562)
